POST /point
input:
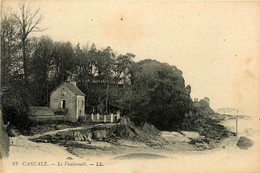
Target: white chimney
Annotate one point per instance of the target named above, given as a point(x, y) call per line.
point(74, 83)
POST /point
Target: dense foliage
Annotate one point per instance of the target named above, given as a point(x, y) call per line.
point(147, 90)
point(159, 94)
point(199, 117)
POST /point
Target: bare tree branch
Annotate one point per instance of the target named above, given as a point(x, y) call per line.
point(18, 19)
point(32, 17)
point(28, 23)
point(33, 27)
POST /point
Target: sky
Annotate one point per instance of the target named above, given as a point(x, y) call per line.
point(215, 44)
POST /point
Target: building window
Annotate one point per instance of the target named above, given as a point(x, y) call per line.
point(78, 102)
point(82, 102)
point(62, 104)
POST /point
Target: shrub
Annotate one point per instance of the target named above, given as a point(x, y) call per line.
point(61, 111)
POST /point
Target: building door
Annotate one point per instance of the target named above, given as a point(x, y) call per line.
point(62, 104)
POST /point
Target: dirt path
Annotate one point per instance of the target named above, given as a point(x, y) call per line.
point(66, 129)
point(56, 131)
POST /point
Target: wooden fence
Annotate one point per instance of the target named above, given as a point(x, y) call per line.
point(110, 118)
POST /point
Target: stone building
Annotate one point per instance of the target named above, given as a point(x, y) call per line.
point(67, 97)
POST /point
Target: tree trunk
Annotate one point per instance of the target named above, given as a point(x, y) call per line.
point(25, 66)
point(107, 92)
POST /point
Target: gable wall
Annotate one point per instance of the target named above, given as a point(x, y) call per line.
point(63, 93)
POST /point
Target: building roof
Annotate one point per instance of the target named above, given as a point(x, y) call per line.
point(40, 111)
point(72, 87)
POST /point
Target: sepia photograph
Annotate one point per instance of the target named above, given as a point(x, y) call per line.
point(130, 86)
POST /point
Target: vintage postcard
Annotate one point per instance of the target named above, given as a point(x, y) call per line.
point(130, 86)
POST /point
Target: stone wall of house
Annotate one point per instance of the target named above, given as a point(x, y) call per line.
point(63, 93)
point(80, 105)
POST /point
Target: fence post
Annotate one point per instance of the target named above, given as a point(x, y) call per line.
point(98, 117)
point(118, 115)
point(112, 117)
point(236, 124)
point(105, 118)
point(92, 117)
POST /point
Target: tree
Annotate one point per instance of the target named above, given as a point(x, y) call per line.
point(8, 45)
point(28, 22)
point(206, 99)
point(122, 68)
point(14, 98)
point(63, 61)
point(9, 49)
point(159, 95)
point(42, 63)
point(106, 64)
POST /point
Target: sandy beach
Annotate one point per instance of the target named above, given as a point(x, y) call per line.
point(131, 157)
